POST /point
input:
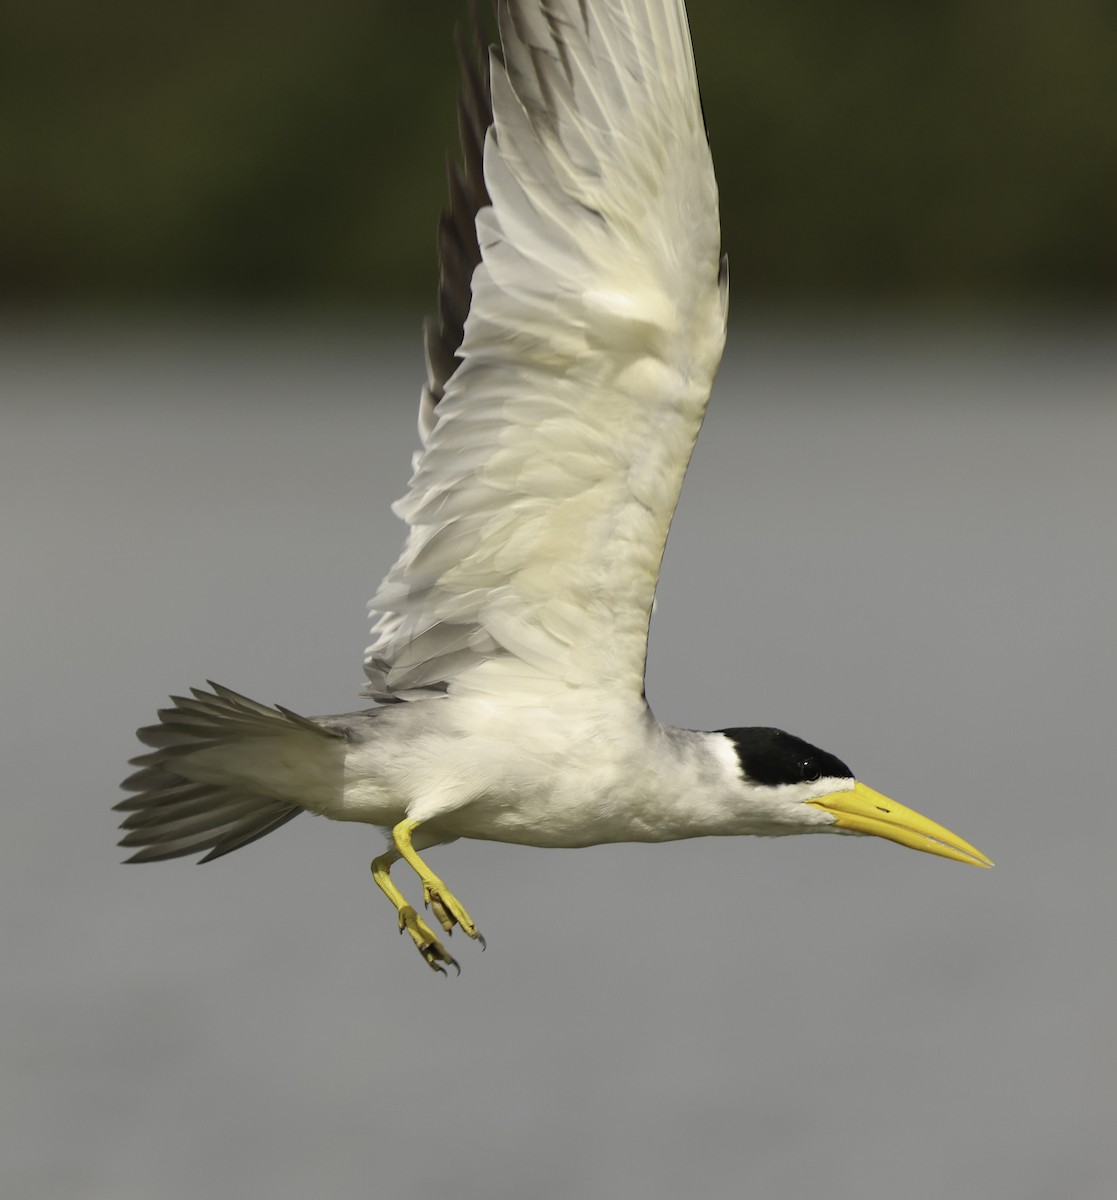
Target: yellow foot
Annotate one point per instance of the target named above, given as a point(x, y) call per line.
point(448, 909)
point(426, 943)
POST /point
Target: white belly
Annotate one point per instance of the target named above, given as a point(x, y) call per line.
point(533, 777)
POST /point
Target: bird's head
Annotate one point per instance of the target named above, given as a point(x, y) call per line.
point(804, 789)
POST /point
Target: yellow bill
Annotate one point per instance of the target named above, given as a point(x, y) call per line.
point(864, 811)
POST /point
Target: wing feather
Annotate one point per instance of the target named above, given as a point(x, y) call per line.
point(458, 251)
point(553, 458)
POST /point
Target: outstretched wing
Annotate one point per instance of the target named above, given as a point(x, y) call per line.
point(553, 457)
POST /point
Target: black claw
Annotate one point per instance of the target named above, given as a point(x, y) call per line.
point(482, 941)
point(432, 956)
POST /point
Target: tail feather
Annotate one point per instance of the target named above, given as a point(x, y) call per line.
point(157, 825)
point(176, 812)
point(169, 792)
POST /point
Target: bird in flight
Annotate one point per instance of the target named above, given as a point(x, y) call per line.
point(582, 316)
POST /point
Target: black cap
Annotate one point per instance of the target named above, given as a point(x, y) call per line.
point(770, 756)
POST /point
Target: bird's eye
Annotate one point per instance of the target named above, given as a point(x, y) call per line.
point(809, 770)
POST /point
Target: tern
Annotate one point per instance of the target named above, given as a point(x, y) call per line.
point(582, 316)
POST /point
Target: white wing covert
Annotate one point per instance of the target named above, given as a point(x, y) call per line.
point(541, 500)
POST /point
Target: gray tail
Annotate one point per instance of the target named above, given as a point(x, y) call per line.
point(176, 813)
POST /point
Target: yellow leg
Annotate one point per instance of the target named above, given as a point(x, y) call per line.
point(436, 895)
point(432, 950)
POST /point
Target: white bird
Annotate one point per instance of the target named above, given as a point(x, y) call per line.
point(583, 314)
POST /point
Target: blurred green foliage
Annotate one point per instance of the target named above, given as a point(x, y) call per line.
point(252, 149)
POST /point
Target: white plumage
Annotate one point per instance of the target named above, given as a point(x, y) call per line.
point(582, 318)
point(540, 503)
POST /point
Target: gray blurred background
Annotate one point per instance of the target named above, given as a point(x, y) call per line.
point(896, 540)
